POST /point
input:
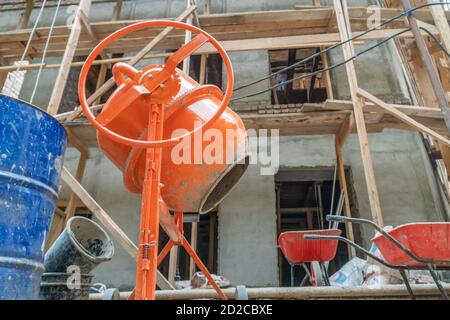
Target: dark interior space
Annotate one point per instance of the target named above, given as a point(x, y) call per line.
point(303, 205)
point(206, 246)
point(308, 89)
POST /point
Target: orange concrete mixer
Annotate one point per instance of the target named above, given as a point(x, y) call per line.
point(176, 142)
point(193, 182)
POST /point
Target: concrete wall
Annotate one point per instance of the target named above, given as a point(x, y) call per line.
point(247, 232)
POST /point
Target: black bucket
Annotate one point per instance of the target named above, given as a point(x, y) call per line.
point(83, 244)
point(63, 286)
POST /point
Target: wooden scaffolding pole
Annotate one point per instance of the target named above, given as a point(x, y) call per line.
point(117, 10)
point(441, 24)
point(63, 73)
point(403, 117)
point(348, 49)
point(108, 223)
point(339, 141)
point(59, 222)
point(428, 63)
point(25, 15)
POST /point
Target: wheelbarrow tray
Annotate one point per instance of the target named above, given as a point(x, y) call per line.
point(425, 240)
point(298, 250)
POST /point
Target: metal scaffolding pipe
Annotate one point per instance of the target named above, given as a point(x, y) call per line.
point(298, 293)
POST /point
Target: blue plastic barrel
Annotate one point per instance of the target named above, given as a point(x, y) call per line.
point(32, 146)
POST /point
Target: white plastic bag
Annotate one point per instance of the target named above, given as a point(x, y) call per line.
point(351, 274)
point(200, 281)
point(378, 274)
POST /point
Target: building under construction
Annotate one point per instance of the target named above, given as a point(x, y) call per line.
point(192, 149)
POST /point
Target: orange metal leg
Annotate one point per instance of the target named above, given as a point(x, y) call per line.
point(203, 268)
point(149, 227)
point(162, 255)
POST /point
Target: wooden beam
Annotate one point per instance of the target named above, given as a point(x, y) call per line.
point(69, 212)
point(87, 26)
point(100, 81)
point(348, 49)
point(264, 43)
point(329, 84)
point(63, 73)
point(194, 236)
point(187, 38)
point(75, 142)
point(65, 202)
point(25, 15)
point(230, 26)
point(132, 61)
point(212, 241)
point(403, 117)
point(173, 263)
point(441, 22)
point(3, 77)
point(117, 10)
point(343, 186)
point(71, 206)
point(108, 223)
point(345, 129)
point(429, 66)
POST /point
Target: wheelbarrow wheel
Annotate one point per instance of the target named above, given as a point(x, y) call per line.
point(317, 276)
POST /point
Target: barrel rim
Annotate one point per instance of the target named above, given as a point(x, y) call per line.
point(38, 109)
point(83, 250)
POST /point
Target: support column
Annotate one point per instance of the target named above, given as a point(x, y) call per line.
point(358, 104)
point(426, 58)
point(63, 73)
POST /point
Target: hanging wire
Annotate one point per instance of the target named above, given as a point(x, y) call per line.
point(439, 43)
point(404, 13)
point(27, 47)
point(325, 69)
point(44, 53)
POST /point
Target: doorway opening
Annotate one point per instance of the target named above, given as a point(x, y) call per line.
point(304, 198)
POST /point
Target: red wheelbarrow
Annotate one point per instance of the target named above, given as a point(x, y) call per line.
point(412, 246)
point(299, 251)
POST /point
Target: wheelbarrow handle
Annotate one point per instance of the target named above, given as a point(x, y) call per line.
point(354, 245)
point(343, 219)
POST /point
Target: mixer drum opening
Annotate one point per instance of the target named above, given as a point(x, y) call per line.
point(224, 185)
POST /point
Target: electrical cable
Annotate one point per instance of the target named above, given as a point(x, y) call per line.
point(404, 13)
point(44, 53)
point(27, 47)
point(432, 36)
point(325, 69)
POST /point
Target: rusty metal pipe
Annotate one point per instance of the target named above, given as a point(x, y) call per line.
point(426, 58)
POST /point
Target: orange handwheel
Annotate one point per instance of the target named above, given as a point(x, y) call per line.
point(152, 84)
point(152, 88)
